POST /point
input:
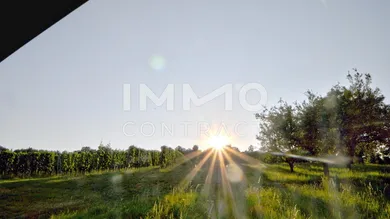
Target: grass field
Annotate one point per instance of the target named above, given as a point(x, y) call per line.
point(247, 190)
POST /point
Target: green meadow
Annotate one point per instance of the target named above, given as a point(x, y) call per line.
point(247, 190)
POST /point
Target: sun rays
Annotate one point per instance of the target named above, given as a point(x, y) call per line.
point(220, 167)
point(224, 178)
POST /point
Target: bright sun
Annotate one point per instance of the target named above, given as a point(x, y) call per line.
point(218, 141)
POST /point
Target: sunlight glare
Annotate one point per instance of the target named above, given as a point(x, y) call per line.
point(218, 142)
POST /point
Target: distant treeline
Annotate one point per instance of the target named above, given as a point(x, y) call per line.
point(31, 162)
point(269, 158)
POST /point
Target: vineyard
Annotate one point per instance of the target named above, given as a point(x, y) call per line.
point(30, 162)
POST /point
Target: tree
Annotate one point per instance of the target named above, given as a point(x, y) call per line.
point(251, 148)
point(86, 149)
point(2, 148)
point(182, 150)
point(195, 148)
point(279, 130)
point(318, 128)
point(363, 116)
point(352, 120)
point(236, 149)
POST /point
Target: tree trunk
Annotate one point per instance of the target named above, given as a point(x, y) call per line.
point(326, 169)
point(349, 165)
point(291, 164)
point(351, 152)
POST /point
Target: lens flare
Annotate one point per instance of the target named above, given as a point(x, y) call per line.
point(157, 62)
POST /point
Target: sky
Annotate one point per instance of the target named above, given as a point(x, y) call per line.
point(65, 88)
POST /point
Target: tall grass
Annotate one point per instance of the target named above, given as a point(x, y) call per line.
point(270, 192)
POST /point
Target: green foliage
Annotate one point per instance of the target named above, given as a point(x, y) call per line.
point(279, 130)
point(265, 157)
point(168, 156)
point(6, 162)
point(349, 120)
point(30, 162)
point(178, 204)
point(184, 150)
